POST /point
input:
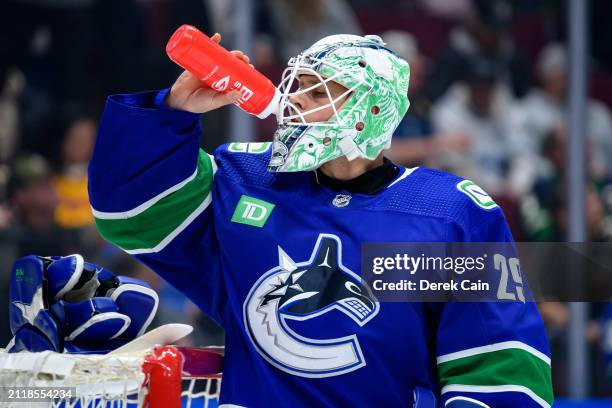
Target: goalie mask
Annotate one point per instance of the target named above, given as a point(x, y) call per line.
point(376, 82)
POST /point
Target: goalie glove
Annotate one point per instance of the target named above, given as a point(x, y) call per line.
point(67, 304)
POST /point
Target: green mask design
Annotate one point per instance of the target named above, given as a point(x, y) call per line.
point(377, 81)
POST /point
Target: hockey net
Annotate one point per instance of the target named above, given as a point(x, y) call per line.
point(167, 376)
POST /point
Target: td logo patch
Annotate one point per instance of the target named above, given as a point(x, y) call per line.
point(252, 211)
point(477, 194)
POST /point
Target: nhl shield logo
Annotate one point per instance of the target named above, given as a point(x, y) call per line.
point(304, 291)
point(341, 200)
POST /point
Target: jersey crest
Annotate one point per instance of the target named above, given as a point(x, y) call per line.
point(303, 291)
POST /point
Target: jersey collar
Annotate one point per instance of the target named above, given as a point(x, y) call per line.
point(371, 182)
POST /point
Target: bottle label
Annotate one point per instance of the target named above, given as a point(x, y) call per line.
point(221, 84)
point(244, 90)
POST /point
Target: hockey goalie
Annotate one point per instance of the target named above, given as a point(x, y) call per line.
point(265, 238)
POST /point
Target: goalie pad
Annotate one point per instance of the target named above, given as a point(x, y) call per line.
point(67, 304)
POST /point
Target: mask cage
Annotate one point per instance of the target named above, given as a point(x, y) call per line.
point(289, 112)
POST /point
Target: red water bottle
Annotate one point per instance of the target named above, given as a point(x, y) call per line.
point(220, 70)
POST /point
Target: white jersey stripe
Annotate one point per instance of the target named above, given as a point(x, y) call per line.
point(407, 172)
point(122, 215)
point(493, 389)
point(492, 348)
point(472, 400)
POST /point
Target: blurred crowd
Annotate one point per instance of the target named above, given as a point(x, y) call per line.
point(488, 93)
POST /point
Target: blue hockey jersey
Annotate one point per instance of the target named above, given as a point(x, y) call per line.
point(275, 258)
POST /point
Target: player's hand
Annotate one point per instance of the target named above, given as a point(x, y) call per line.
point(189, 94)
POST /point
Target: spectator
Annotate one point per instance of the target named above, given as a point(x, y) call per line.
point(483, 34)
point(478, 108)
point(48, 40)
point(9, 113)
point(73, 210)
point(545, 109)
point(544, 211)
point(300, 23)
point(33, 202)
point(413, 143)
point(416, 122)
point(544, 214)
point(448, 9)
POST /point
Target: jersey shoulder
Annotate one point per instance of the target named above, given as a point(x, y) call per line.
point(245, 163)
point(436, 193)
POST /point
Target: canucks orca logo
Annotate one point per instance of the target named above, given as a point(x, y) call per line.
point(303, 291)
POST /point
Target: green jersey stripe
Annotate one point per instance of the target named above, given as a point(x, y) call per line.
point(494, 347)
point(507, 367)
point(144, 206)
point(164, 242)
point(149, 203)
point(167, 217)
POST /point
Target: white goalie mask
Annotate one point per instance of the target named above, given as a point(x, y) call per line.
point(376, 82)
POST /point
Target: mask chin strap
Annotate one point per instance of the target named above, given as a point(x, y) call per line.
point(349, 148)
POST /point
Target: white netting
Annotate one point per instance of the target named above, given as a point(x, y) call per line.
point(199, 392)
point(99, 380)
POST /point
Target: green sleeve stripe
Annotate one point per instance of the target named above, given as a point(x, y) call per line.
point(151, 229)
point(121, 215)
point(487, 348)
point(512, 367)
